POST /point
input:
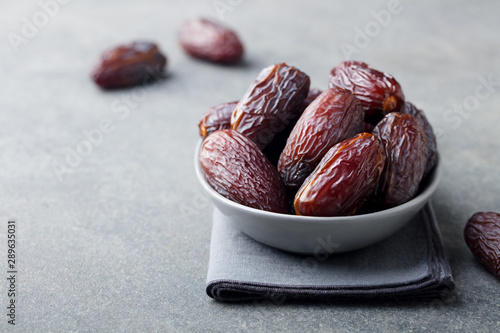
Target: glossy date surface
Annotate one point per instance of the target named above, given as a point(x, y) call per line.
point(271, 103)
point(405, 145)
point(345, 178)
point(482, 236)
point(236, 168)
point(333, 116)
point(379, 92)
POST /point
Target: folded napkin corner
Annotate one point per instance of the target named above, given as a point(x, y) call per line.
point(409, 265)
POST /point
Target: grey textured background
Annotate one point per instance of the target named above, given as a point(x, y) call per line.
point(120, 242)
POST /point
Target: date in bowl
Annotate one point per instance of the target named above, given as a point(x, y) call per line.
point(306, 234)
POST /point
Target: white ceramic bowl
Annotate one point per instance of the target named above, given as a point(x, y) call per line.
point(318, 235)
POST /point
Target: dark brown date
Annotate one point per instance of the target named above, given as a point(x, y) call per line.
point(333, 116)
point(482, 236)
point(405, 145)
point(345, 178)
point(432, 156)
point(129, 65)
point(274, 148)
point(211, 41)
point(236, 168)
point(216, 118)
point(379, 92)
point(271, 103)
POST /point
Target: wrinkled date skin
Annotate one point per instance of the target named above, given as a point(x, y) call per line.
point(482, 236)
point(129, 65)
point(274, 148)
point(379, 92)
point(236, 168)
point(332, 117)
point(271, 103)
point(432, 156)
point(345, 178)
point(216, 118)
point(211, 41)
point(405, 145)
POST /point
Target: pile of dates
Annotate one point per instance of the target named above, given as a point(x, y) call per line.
point(284, 147)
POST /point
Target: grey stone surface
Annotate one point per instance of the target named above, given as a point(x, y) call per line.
point(120, 242)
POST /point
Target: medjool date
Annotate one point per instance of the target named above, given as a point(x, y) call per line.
point(405, 145)
point(236, 168)
point(482, 236)
point(345, 178)
point(129, 65)
point(379, 92)
point(270, 103)
point(333, 116)
point(209, 40)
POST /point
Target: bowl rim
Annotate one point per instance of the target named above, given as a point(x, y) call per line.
point(422, 197)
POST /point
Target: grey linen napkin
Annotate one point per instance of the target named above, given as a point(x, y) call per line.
point(409, 265)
